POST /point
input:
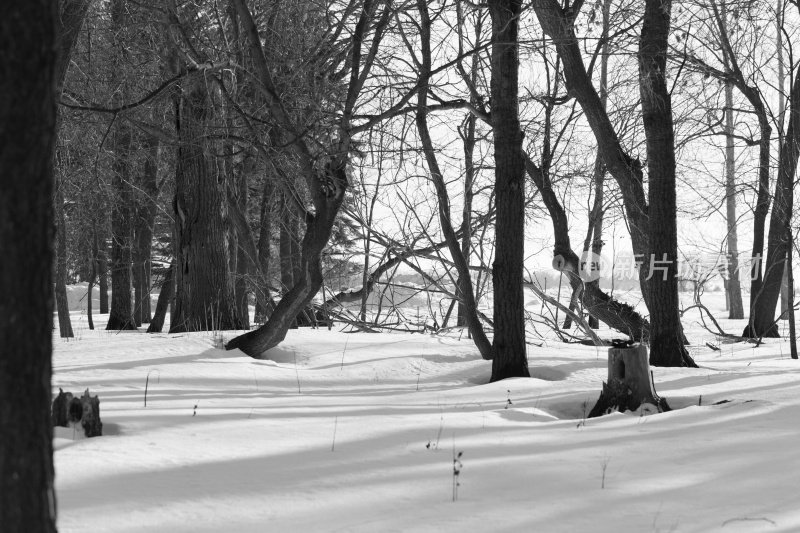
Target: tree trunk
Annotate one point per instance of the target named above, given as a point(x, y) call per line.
point(509, 348)
point(558, 24)
point(102, 276)
point(164, 298)
point(790, 298)
point(666, 332)
point(121, 314)
point(318, 230)
point(62, 305)
point(143, 232)
point(204, 289)
point(90, 287)
point(785, 296)
point(263, 295)
point(285, 246)
point(243, 261)
point(629, 384)
point(28, 85)
point(733, 287)
point(465, 291)
point(326, 182)
point(762, 318)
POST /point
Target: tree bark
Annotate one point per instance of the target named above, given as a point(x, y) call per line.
point(508, 346)
point(28, 84)
point(666, 333)
point(204, 298)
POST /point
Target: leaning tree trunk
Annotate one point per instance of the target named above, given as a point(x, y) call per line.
point(27, 138)
point(508, 346)
point(666, 332)
point(164, 298)
point(204, 299)
point(327, 202)
point(558, 24)
point(465, 291)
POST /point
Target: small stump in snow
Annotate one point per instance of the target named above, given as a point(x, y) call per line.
point(630, 383)
point(69, 410)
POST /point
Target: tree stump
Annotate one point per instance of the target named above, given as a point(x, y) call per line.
point(630, 383)
point(68, 410)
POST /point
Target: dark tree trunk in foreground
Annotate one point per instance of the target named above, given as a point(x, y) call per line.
point(510, 355)
point(465, 291)
point(762, 318)
point(666, 332)
point(27, 137)
point(121, 314)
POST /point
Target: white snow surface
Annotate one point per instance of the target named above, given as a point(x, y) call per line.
point(356, 432)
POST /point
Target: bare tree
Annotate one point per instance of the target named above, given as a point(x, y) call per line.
point(508, 344)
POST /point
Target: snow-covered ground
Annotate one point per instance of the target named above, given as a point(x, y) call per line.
point(357, 432)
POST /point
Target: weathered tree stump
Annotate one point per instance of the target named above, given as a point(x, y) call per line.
point(630, 383)
point(68, 410)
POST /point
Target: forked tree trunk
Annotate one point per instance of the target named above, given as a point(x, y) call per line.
point(762, 319)
point(666, 332)
point(508, 346)
point(558, 24)
point(27, 85)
